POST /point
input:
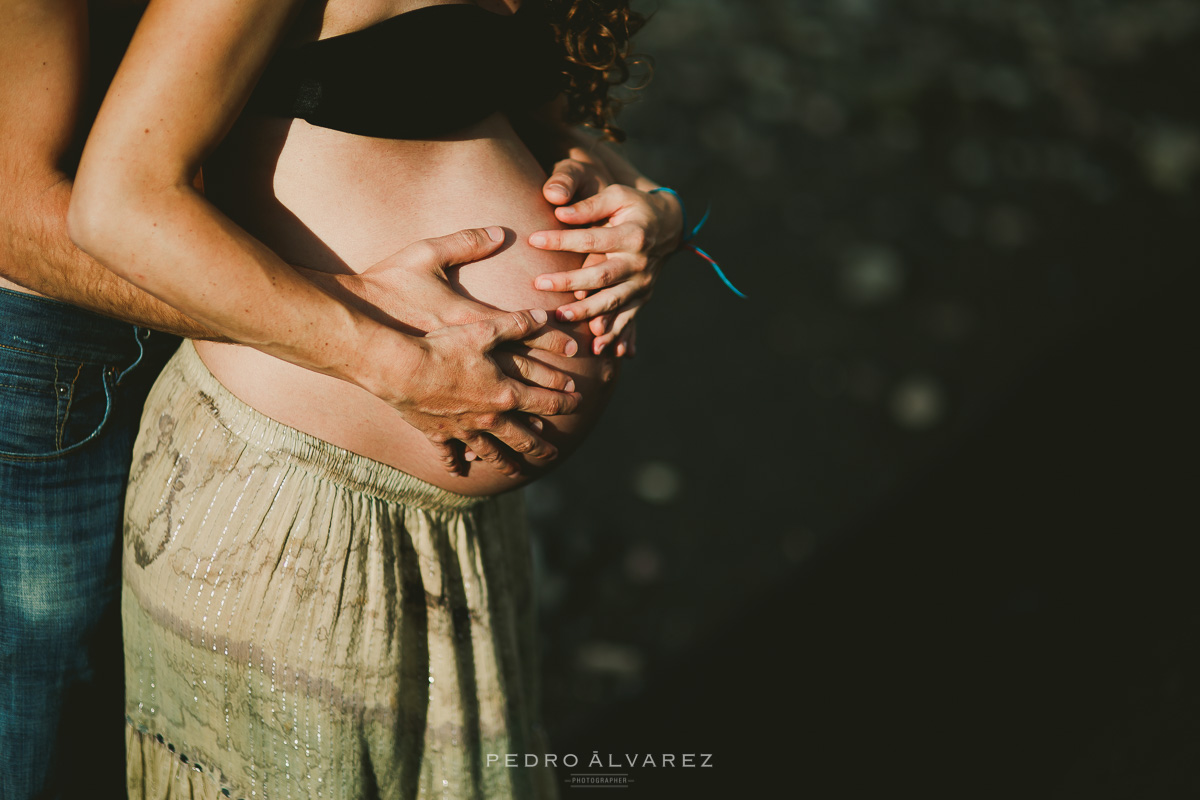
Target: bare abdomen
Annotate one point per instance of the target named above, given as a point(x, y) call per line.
point(337, 202)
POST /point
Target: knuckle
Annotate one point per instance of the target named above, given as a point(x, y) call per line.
point(558, 343)
point(637, 238)
point(479, 444)
point(488, 420)
point(506, 399)
point(425, 251)
point(521, 321)
point(476, 238)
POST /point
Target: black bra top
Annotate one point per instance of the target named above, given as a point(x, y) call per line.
point(422, 74)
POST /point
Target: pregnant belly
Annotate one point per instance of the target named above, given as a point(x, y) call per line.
point(337, 202)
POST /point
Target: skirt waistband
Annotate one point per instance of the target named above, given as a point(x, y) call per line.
point(337, 464)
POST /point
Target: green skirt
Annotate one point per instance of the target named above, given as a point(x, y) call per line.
point(304, 622)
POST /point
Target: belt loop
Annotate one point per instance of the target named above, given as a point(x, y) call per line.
point(140, 335)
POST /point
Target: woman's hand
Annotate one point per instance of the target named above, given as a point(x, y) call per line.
point(183, 82)
point(630, 235)
point(581, 174)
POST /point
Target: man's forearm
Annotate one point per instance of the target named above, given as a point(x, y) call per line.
point(39, 255)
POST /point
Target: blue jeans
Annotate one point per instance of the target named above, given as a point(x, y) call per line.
point(72, 386)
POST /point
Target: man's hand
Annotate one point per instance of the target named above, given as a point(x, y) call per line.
point(474, 357)
point(629, 235)
point(409, 289)
point(455, 392)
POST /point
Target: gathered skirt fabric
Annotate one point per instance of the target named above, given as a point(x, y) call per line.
point(303, 622)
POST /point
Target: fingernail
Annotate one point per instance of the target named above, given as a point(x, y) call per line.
point(537, 240)
point(620, 349)
point(495, 233)
point(559, 190)
point(572, 348)
point(539, 315)
point(567, 315)
point(536, 423)
point(544, 283)
point(570, 386)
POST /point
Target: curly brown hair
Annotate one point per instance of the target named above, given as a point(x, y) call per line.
point(596, 36)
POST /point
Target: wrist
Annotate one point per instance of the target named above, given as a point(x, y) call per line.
point(386, 362)
point(671, 212)
point(644, 184)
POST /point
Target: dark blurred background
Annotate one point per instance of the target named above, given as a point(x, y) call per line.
point(918, 514)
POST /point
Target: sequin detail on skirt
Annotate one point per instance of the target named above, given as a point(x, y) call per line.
point(303, 622)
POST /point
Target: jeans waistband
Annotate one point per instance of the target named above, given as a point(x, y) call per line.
point(52, 328)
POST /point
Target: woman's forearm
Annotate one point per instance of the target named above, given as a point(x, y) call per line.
point(614, 158)
point(547, 133)
point(183, 82)
point(168, 240)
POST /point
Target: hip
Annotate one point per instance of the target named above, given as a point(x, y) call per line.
point(68, 377)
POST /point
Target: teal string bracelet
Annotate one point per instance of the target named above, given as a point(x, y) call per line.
point(689, 234)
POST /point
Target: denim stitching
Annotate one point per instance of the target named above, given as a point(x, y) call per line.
point(70, 399)
point(58, 411)
point(44, 354)
point(108, 409)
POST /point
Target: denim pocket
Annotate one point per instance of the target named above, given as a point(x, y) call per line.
point(49, 406)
